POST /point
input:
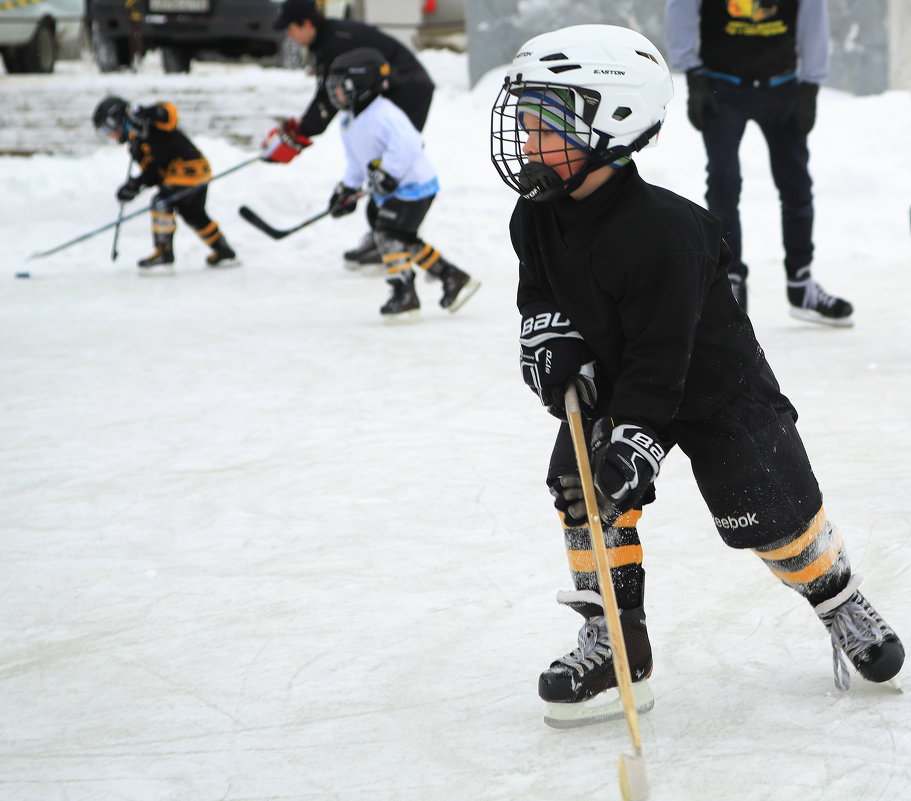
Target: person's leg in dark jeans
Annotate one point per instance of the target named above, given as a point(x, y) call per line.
point(721, 135)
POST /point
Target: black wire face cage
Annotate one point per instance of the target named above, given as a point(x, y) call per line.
point(521, 108)
point(349, 91)
point(114, 127)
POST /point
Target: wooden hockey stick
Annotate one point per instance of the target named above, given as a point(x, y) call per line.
point(633, 783)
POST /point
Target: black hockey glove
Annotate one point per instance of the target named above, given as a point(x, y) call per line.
point(625, 462)
point(380, 181)
point(803, 109)
point(343, 200)
point(701, 104)
point(552, 354)
point(129, 190)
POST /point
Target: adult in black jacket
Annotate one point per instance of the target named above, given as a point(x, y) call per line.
point(409, 87)
point(624, 290)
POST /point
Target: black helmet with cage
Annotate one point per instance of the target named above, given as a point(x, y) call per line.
point(110, 118)
point(602, 89)
point(355, 78)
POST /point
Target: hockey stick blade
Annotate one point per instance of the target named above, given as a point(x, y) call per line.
point(255, 220)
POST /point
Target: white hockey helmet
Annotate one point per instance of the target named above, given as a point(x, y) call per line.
point(604, 88)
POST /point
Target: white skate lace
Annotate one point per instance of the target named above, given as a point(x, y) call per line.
point(854, 628)
point(815, 297)
point(594, 648)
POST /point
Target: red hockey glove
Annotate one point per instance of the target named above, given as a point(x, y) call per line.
point(625, 462)
point(282, 144)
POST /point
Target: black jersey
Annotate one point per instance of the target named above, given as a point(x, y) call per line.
point(642, 275)
point(752, 40)
point(335, 37)
point(164, 153)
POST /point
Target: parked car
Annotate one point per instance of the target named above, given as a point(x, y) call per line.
point(32, 33)
point(121, 32)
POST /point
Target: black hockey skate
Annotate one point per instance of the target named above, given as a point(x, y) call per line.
point(458, 287)
point(577, 686)
point(163, 258)
point(859, 633)
point(364, 255)
point(809, 301)
point(221, 253)
point(403, 304)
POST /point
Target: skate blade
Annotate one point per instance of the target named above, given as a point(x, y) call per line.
point(371, 268)
point(603, 707)
point(225, 264)
point(157, 272)
point(895, 684)
point(810, 316)
point(404, 318)
point(462, 298)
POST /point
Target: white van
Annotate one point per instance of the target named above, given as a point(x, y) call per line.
point(32, 32)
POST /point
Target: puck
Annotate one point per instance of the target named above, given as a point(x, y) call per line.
point(23, 275)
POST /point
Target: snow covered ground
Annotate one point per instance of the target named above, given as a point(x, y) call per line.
point(257, 545)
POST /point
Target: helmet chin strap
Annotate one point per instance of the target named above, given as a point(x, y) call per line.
point(542, 183)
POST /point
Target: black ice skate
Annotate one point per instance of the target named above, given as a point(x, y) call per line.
point(579, 688)
point(403, 304)
point(222, 254)
point(809, 301)
point(366, 254)
point(159, 263)
point(859, 633)
point(458, 287)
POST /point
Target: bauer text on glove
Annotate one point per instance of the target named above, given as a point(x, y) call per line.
point(625, 461)
point(284, 143)
point(552, 353)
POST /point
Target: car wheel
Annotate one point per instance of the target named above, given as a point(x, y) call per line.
point(110, 54)
point(175, 59)
point(11, 60)
point(40, 54)
point(289, 55)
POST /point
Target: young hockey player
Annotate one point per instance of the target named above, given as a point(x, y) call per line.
point(386, 151)
point(410, 88)
point(623, 289)
point(168, 160)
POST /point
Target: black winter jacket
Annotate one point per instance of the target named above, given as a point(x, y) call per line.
point(335, 37)
point(642, 275)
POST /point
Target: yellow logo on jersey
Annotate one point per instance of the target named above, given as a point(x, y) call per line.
point(754, 18)
point(751, 9)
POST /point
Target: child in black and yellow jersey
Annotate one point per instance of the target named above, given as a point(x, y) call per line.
point(168, 160)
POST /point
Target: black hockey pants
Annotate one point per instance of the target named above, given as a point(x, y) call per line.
point(748, 460)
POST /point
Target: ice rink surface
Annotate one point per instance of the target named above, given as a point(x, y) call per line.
point(258, 546)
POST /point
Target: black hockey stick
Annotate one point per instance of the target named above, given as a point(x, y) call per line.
point(114, 251)
point(280, 233)
point(123, 218)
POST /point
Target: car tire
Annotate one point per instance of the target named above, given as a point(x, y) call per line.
point(175, 59)
point(40, 54)
point(289, 55)
point(110, 54)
